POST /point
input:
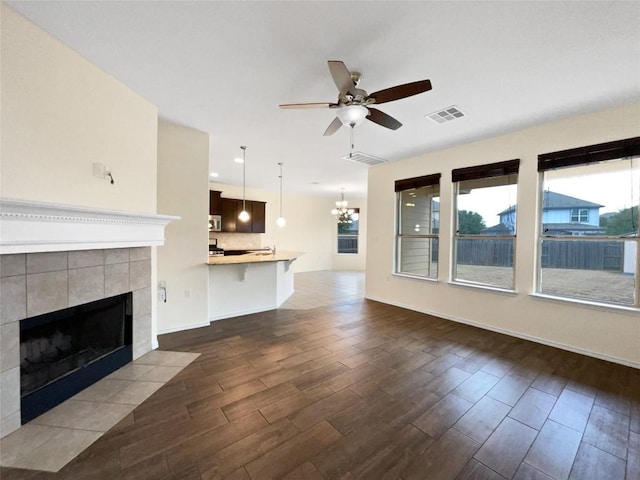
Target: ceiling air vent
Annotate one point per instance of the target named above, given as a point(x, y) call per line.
point(446, 114)
point(363, 158)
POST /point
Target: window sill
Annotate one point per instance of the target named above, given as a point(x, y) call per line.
point(480, 286)
point(415, 277)
point(586, 303)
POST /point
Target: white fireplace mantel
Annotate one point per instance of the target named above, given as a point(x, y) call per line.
point(27, 226)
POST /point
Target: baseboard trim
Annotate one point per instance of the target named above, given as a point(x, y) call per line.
point(241, 314)
point(511, 333)
point(181, 328)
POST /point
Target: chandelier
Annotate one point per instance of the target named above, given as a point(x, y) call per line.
point(342, 213)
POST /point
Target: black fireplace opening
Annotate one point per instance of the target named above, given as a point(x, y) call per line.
point(63, 352)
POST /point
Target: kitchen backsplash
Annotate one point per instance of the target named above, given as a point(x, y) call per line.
point(237, 241)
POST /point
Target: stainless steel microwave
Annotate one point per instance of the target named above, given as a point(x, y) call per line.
point(215, 223)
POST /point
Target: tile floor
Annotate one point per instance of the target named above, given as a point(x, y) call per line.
point(53, 439)
point(323, 288)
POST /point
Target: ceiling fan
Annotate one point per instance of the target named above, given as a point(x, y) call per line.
point(353, 104)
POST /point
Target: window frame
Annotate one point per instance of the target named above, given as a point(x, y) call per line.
point(508, 168)
point(581, 157)
point(408, 184)
point(357, 235)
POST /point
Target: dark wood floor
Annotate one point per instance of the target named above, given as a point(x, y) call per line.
point(367, 390)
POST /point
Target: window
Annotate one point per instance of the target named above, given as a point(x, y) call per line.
point(486, 224)
point(594, 256)
point(580, 215)
point(348, 226)
point(418, 222)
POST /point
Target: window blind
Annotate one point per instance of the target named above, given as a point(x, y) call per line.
point(417, 182)
point(628, 147)
point(508, 167)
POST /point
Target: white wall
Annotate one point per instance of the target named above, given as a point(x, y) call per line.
point(604, 332)
point(60, 114)
point(183, 190)
point(310, 226)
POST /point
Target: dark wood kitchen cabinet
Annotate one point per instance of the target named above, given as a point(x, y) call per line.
point(231, 208)
point(228, 208)
point(258, 216)
point(215, 202)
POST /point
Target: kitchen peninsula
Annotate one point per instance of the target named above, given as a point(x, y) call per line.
point(252, 282)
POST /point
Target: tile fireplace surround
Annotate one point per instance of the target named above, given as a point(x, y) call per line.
point(37, 283)
point(55, 256)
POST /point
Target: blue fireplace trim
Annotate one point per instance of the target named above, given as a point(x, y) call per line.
point(47, 397)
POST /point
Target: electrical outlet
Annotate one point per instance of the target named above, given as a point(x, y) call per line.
point(162, 295)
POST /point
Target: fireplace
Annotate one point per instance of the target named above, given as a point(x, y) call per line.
point(54, 257)
point(63, 352)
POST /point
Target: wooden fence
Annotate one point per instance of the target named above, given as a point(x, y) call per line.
point(347, 243)
point(583, 255)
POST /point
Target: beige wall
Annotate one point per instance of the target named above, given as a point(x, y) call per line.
point(183, 190)
point(60, 114)
point(310, 226)
point(599, 331)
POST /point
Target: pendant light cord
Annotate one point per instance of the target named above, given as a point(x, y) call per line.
point(244, 177)
point(280, 163)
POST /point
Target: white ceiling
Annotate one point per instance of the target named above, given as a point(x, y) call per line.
point(223, 67)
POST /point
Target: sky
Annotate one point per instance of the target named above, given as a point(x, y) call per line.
point(616, 189)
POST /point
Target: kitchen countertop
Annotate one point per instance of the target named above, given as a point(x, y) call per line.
point(253, 257)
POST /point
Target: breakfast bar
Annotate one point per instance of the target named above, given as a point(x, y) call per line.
point(251, 282)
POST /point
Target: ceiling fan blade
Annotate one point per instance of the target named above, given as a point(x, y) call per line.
point(401, 91)
point(341, 76)
point(308, 105)
point(381, 118)
point(333, 127)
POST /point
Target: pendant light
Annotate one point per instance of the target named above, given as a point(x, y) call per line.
point(281, 222)
point(244, 215)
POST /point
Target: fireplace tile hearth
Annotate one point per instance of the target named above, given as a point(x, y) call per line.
point(55, 438)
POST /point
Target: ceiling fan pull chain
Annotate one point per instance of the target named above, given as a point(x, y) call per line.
point(351, 137)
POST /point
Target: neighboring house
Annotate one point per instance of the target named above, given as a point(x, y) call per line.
point(562, 215)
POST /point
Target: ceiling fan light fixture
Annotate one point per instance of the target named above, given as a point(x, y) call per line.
point(352, 115)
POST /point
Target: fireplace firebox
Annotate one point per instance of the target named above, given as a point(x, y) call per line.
point(63, 352)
